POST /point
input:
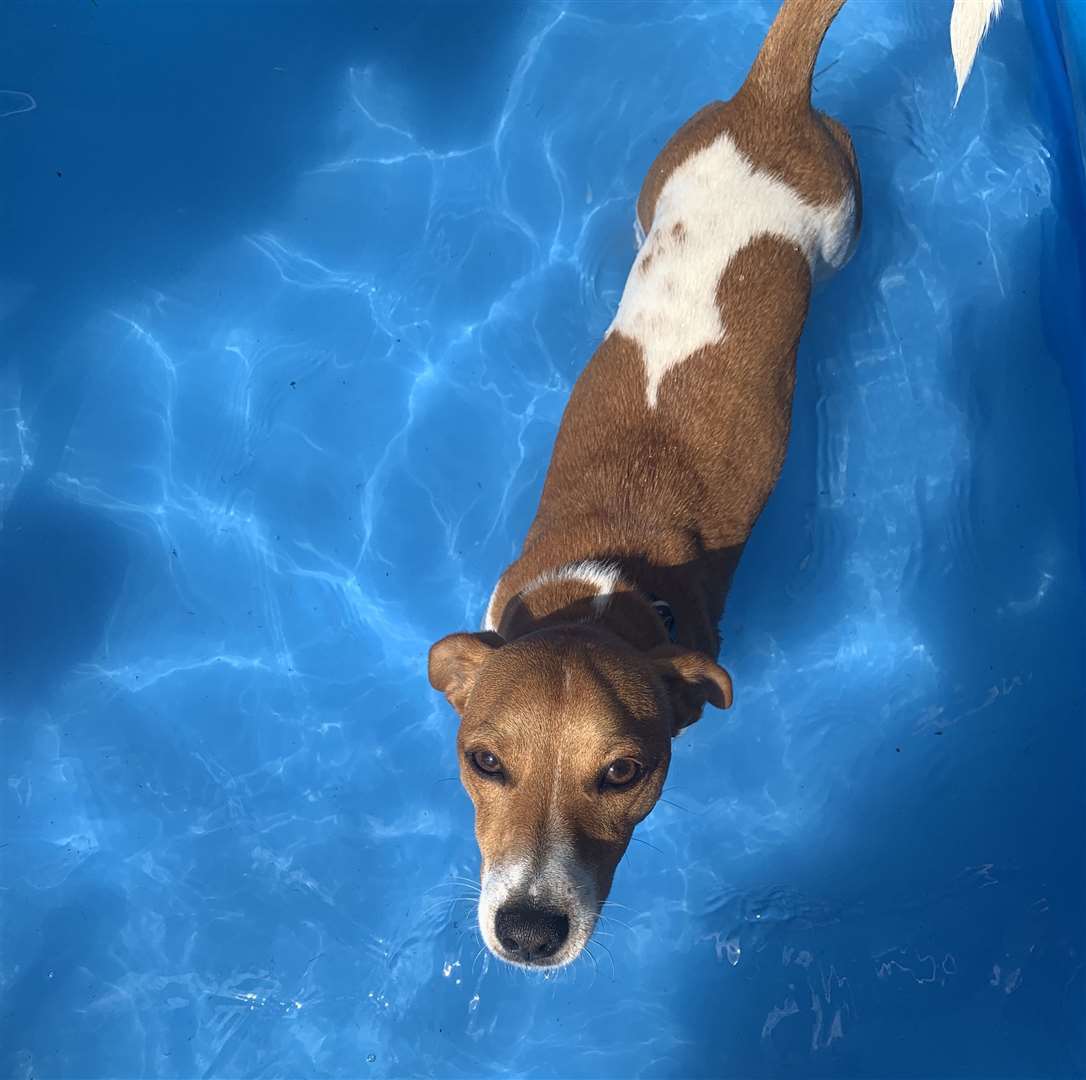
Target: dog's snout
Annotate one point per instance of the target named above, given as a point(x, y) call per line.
point(530, 934)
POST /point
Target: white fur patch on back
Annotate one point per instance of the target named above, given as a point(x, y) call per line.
point(713, 205)
point(604, 577)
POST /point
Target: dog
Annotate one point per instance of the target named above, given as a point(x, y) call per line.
point(600, 641)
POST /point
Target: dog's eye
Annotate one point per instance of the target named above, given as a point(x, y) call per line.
point(485, 762)
point(621, 773)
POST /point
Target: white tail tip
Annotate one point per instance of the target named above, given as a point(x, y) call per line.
point(969, 23)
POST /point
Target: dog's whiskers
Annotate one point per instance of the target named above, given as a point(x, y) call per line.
point(595, 962)
point(447, 905)
point(675, 804)
point(609, 957)
point(471, 928)
point(462, 890)
point(445, 900)
point(460, 884)
point(648, 845)
point(617, 922)
point(476, 960)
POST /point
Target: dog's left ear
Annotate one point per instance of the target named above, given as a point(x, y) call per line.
point(691, 679)
point(455, 662)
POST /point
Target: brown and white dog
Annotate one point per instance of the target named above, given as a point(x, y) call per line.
point(600, 641)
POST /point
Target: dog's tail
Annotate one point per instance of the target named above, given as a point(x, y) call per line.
point(969, 23)
point(784, 67)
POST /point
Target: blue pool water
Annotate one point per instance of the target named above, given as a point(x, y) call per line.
point(292, 297)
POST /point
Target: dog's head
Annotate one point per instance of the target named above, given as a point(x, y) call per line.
point(564, 744)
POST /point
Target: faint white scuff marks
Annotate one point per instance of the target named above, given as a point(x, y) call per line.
point(64, 845)
point(1030, 603)
point(925, 969)
point(560, 183)
point(399, 144)
point(831, 1006)
point(415, 822)
point(777, 1014)
point(253, 1000)
point(303, 271)
point(403, 144)
point(268, 374)
point(982, 875)
point(234, 1012)
point(401, 641)
point(218, 522)
point(754, 916)
point(1007, 980)
point(22, 789)
point(16, 456)
point(833, 439)
point(940, 718)
point(167, 398)
point(138, 678)
point(379, 477)
point(790, 954)
point(829, 1015)
point(14, 102)
point(727, 947)
point(516, 86)
point(281, 866)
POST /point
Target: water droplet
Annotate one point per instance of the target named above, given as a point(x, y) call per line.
point(733, 950)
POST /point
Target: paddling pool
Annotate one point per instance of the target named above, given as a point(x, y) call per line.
point(292, 297)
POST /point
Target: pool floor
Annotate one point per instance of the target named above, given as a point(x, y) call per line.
point(292, 300)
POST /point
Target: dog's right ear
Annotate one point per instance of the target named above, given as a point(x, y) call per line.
point(455, 662)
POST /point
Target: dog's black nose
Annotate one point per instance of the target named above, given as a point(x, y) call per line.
point(530, 934)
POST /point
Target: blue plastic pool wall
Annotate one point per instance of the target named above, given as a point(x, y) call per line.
point(1070, 19)
point(292, 297)
point(1059, 31)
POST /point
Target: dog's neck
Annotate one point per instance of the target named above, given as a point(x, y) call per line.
point(599, 592)
point(616, 588)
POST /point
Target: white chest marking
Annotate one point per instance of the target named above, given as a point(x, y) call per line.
point(711, 207)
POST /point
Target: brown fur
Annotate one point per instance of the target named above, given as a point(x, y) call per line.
point(668, 493)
